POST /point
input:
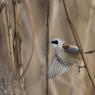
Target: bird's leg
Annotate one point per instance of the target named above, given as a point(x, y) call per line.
point(80, 67)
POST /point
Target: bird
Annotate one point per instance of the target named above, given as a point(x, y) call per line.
point(65, 56)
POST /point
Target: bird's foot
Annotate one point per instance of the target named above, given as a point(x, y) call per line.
point(80, 67)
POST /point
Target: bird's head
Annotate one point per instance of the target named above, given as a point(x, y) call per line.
point(57, 43)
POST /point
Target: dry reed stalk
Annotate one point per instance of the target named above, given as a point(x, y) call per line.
point(47, 45)
point(9, 37)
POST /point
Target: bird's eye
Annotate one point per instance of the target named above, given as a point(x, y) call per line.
point(54, 42)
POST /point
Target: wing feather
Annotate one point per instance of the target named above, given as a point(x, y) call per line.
point(57, 68)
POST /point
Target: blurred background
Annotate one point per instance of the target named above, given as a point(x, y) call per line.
point(34, 26)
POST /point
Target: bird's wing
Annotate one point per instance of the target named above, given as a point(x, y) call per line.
point(57, 68)
point(72, 49)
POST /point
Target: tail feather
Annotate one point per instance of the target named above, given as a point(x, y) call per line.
point(56, 69)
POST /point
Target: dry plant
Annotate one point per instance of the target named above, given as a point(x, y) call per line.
point(47, 45)
point(13, 37)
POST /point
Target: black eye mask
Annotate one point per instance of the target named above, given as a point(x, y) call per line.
point(54, 42)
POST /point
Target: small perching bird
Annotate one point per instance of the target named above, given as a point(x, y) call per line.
point(65, 56)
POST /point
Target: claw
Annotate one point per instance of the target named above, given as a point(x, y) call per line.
point(81, 67)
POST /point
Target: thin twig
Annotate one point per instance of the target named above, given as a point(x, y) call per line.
point(17, 42)
point(9, 36)
point(33, 46)
point(77, 40)
point(47, 46)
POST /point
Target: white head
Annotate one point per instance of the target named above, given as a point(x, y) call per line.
point(57, 43)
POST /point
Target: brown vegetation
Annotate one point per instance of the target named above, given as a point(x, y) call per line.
point(26, 28)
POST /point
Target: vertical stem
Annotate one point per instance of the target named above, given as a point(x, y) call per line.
point(47, 46)
point(17, 36)
point(9, 37)
point(16, 44)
